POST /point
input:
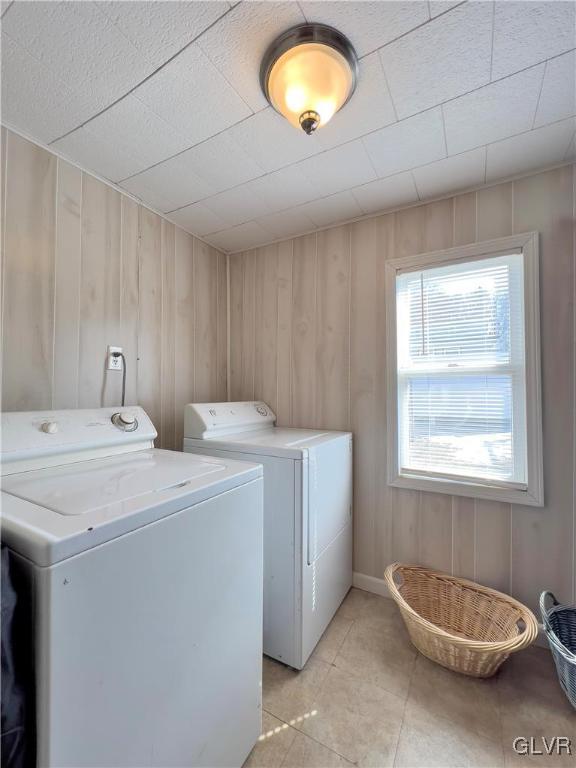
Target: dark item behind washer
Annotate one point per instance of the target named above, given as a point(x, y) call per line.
point(18, 733)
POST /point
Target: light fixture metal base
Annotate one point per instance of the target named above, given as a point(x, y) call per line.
point(309, 121)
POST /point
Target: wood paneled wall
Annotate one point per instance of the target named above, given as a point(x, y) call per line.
point(84, 267)
point(307, 321)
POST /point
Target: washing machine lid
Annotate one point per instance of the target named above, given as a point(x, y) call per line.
point(50, 514)
point(282, 442)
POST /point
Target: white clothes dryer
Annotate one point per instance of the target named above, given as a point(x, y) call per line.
point(307, 516)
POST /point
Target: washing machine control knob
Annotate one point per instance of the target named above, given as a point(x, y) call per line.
point(50, 427)
point(125, 421)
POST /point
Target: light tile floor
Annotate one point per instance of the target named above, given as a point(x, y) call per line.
point(367, 698)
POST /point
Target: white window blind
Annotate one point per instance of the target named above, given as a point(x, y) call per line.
point(461, 371)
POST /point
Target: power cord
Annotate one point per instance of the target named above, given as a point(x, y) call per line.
point(119, 354)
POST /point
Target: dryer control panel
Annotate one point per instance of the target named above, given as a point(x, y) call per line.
point(206, 420)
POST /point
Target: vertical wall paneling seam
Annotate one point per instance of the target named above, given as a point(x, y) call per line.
point(121, 295)
point(78, 377)
point(162, 337)
point(3, 171)
point(349, 345)
point(277, 333)
point(475, 566)
point(194, 324)
point(194, 318)
point(315, 334)
point(228, 391)
point(574, 395)
point(55, 292)
point(255, 300)
point(510, 570)
point(138, 279)
point(291, 352)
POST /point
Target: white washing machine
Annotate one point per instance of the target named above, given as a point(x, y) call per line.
point(144, 569)
point(307, 516)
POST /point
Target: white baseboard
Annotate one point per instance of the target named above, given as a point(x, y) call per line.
point(379, 587)
point(370, 584)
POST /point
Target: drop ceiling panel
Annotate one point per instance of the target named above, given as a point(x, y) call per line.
point(368, 25)
point(112, 161)
point(55, 33)
point(235, 206)
point(164, 98)
point(285, 188)
point(289, 145)
point(173, 183)
point(198, 218)
point(287, 223)
point(147, 190)
point(494, 112)
point(526, 33)
point(451, 174)
point(241, 237)
point(440, 60)
point(124, 140)
point(386, 193)
point(536, 149)
point(237, 44)
point(192, 96)
point(369, 108)
point(441, 6)
point(199, 172)
point(558, 97)
point(35, 100)
point(333, 209)
point(338, 169)
point(415, 141)
point(161, 29)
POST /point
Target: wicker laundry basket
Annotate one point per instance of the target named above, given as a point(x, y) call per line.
point(560, 627)
point(459, 624)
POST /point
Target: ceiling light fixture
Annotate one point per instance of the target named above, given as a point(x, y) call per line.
point(308, 74)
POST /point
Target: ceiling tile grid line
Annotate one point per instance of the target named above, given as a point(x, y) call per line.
point(449, 93)
point(540, 93)
point(392, 209)
point(480, 177)
point(169, 157)
point(144, 80)
point(362, 136)
point(492, 42)
point(379, 175)
point(448, 11)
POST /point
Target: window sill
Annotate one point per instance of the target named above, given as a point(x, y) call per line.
point(530, 497)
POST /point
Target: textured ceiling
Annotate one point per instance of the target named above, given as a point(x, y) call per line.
point(163, 99)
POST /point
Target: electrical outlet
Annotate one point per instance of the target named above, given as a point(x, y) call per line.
point(114, 363)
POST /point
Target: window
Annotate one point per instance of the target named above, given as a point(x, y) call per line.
point(464, 372)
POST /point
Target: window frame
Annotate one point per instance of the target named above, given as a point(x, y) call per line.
point(533, 494)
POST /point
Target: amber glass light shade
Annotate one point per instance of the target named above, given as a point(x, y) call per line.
point(310, 75)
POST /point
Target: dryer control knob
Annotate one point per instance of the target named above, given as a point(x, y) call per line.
point(50, 427)
point(125, 421)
